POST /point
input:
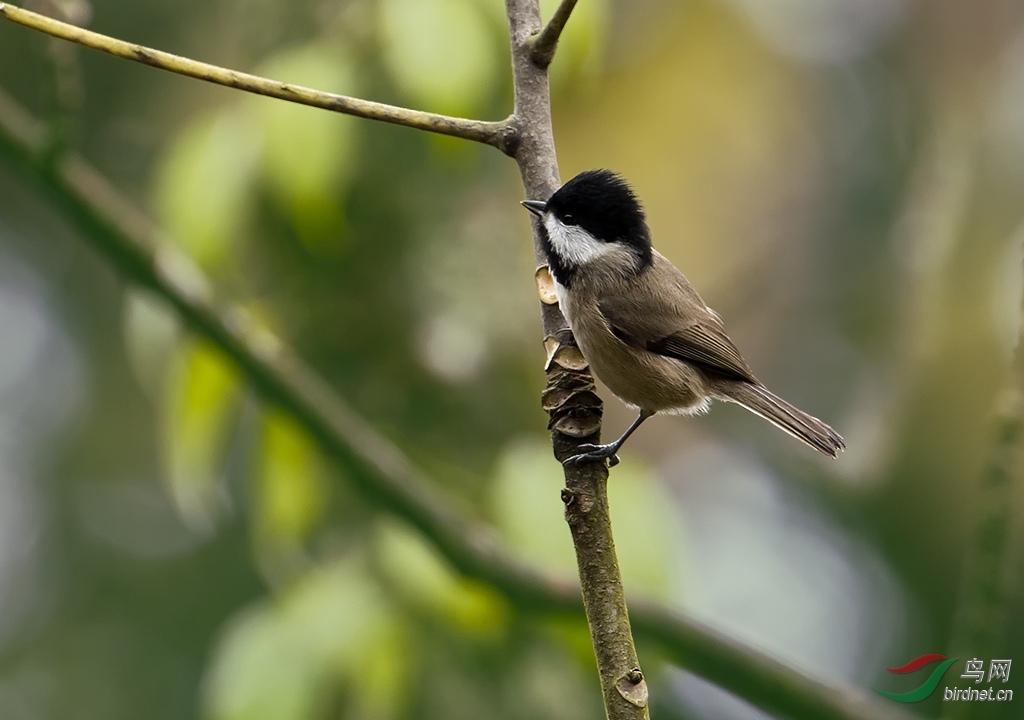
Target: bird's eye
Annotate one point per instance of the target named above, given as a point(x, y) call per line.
point(568, 219)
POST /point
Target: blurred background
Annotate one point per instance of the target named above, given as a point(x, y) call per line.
point(842, 180)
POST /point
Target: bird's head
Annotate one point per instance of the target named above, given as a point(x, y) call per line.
point(593, 218)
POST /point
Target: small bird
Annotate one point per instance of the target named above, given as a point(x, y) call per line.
point(639, 323)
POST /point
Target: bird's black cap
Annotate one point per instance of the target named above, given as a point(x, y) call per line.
point(604, 205)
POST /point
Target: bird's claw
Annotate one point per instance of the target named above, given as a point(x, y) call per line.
point(595, 452)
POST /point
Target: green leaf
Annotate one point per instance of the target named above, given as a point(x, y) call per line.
point(382, 681)
point(151, 333)
point(329, 635)
point(199, 413)
point(416, 568)
point(528, 508)
point(647, 526)
point(529, 512)
point(292, 490)
point(307, 153)
point(259, 673)
point(203, 183)
point(440, 52)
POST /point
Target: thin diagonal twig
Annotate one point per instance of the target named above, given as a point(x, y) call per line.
point(501, 134)
point(544, 43)
point(125, 237)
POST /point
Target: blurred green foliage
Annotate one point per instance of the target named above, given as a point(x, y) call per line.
point(846, 192)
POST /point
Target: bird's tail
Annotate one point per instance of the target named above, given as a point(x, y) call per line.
point(759, 400)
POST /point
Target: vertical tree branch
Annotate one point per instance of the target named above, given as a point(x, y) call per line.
point(570, 399)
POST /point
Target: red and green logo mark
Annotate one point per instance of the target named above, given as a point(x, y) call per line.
point(928, 686)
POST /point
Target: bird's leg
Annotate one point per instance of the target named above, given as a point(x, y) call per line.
point(600, 452)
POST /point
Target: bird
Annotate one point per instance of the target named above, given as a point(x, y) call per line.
point(640, 325)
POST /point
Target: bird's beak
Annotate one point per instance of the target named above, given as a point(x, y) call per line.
point(537, 207)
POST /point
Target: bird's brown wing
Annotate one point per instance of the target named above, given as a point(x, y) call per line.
point(706, 345)
point(667, 331)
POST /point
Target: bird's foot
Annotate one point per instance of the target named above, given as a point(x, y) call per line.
point(595, 452)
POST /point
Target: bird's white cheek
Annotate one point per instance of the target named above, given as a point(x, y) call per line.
point(573, 243)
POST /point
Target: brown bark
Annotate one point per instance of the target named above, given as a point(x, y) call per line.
point(570, 399)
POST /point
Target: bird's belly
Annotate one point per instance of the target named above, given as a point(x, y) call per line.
point(639, 377)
